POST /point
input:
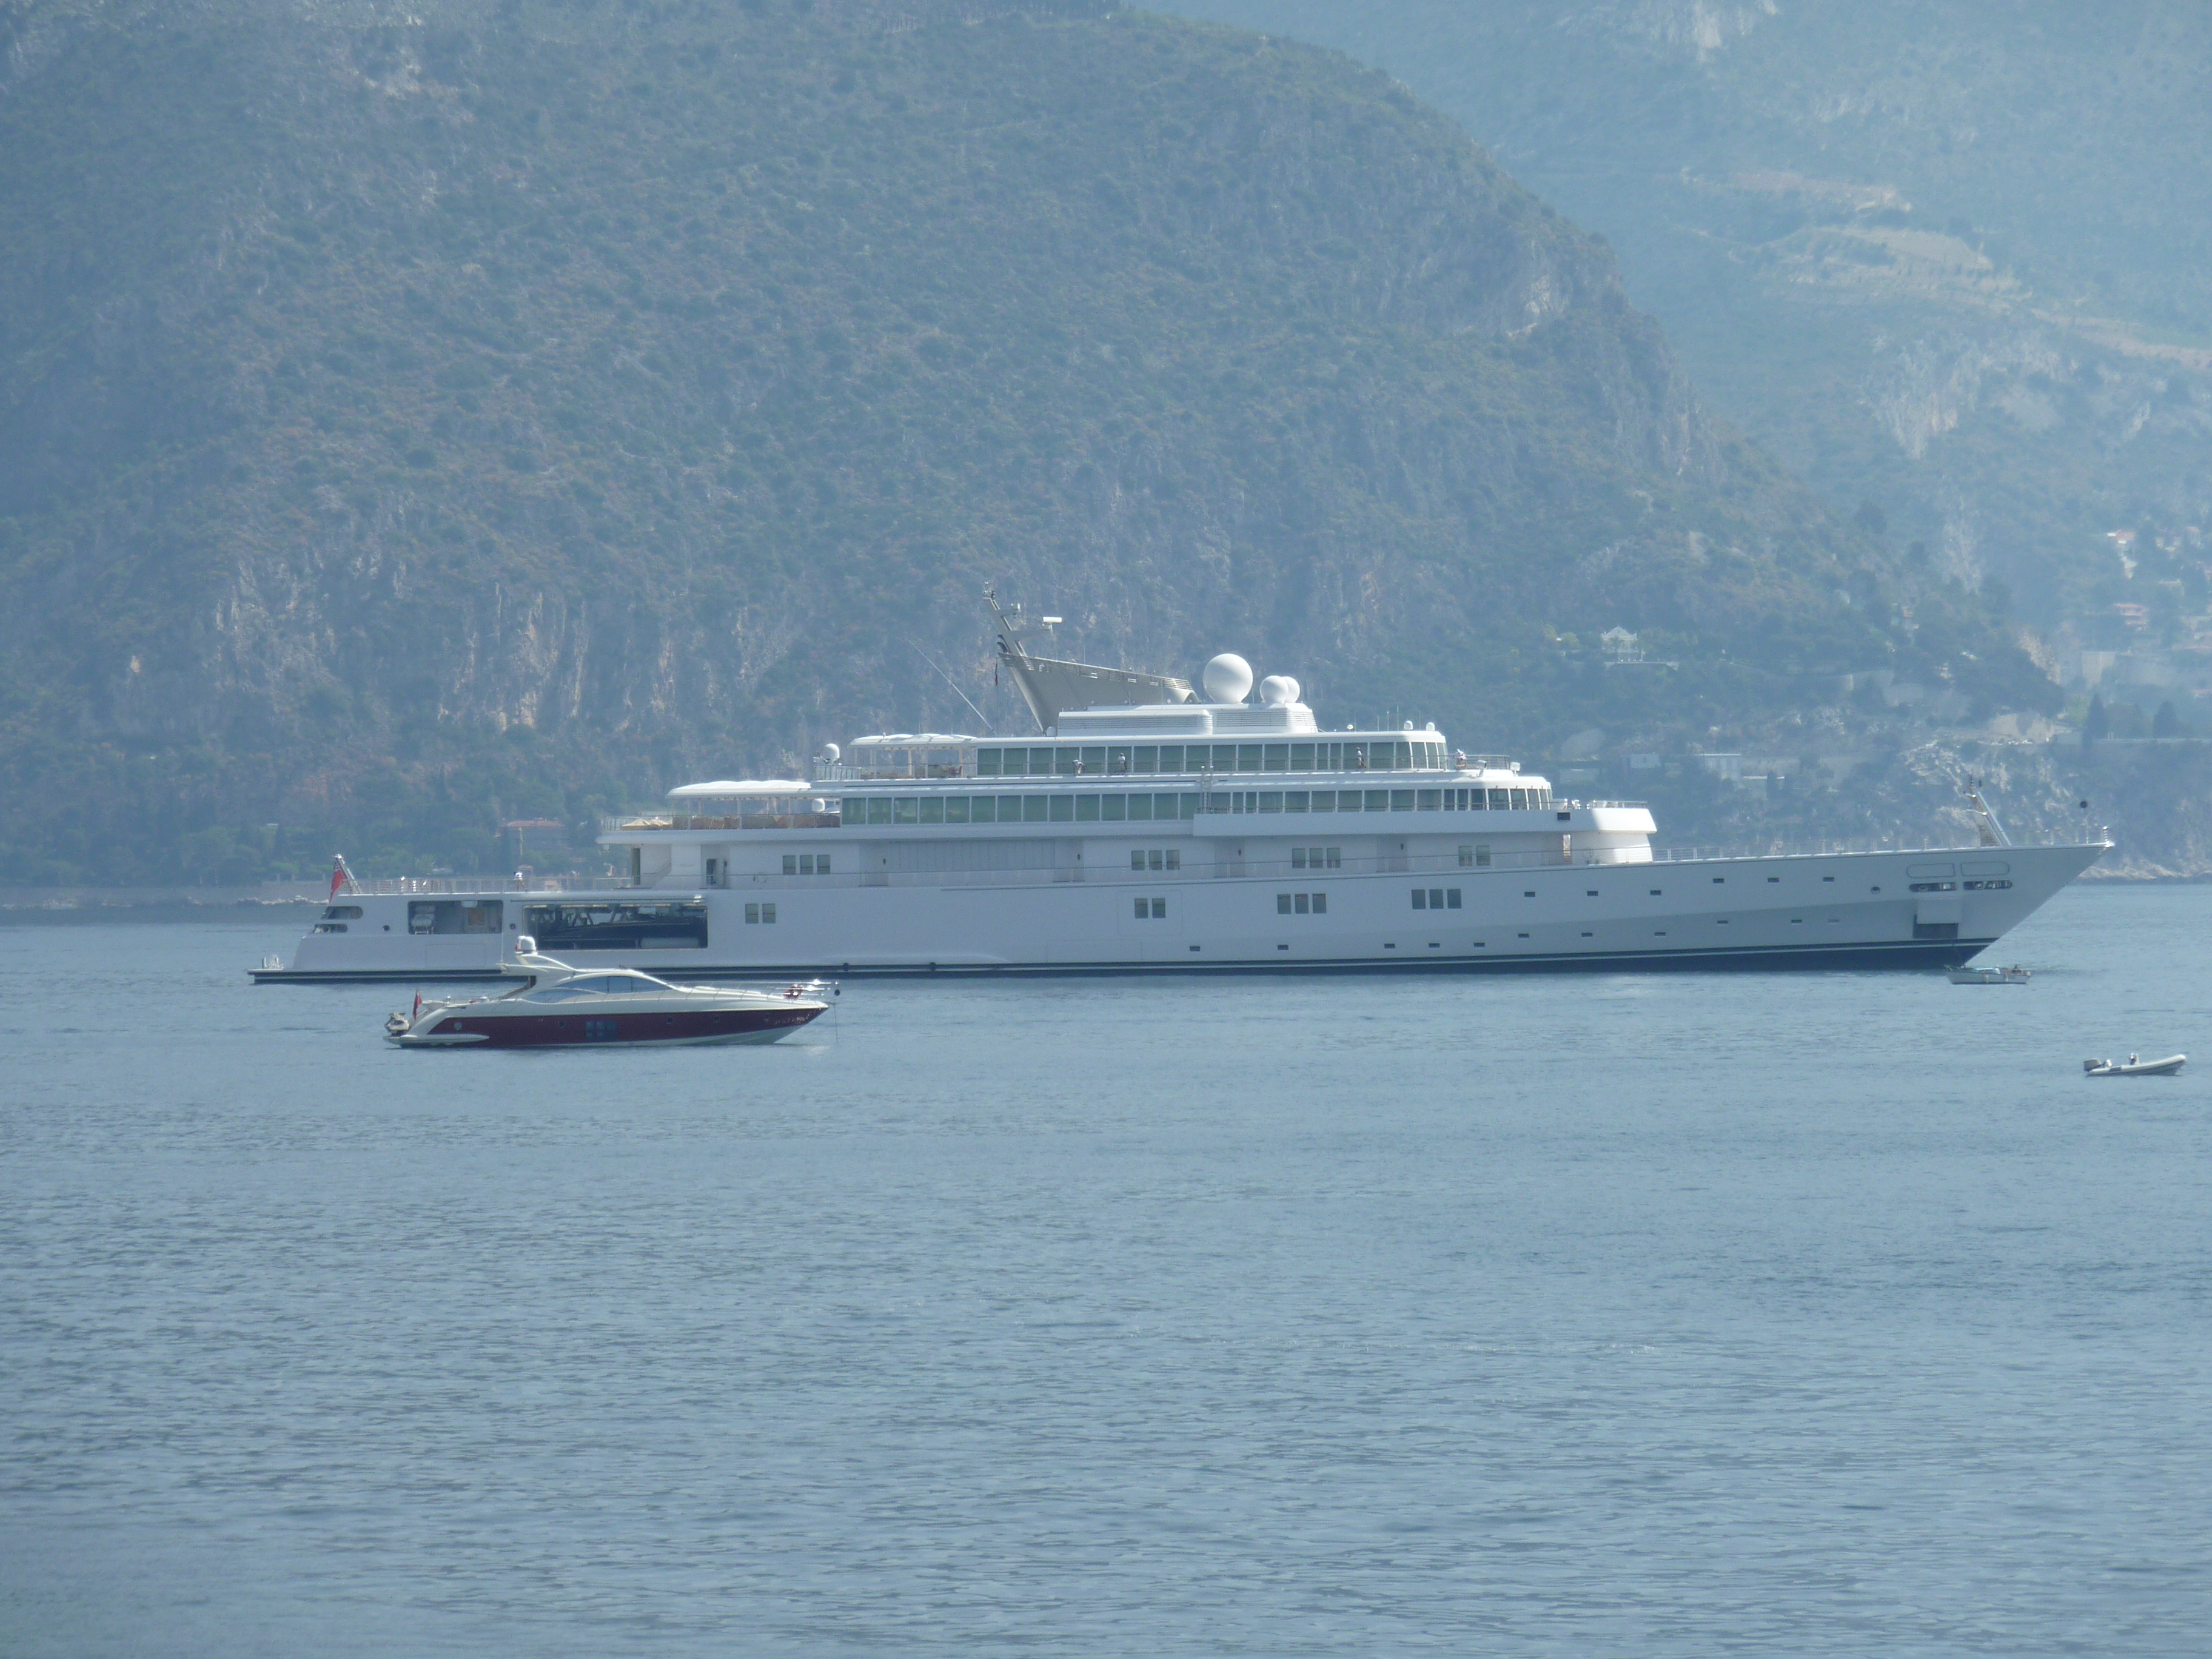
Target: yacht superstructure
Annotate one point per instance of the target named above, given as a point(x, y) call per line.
point(1172, 832)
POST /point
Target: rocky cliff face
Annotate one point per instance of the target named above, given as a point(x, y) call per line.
point(512, 409)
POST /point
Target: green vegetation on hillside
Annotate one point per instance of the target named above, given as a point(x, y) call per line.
point(406, 426)
point(1950, 258)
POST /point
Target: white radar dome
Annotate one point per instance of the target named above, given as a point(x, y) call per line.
point(830, 752)
point(1278, 690)
point(1228, 677)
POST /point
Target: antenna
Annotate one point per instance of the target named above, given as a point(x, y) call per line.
point(983, 730)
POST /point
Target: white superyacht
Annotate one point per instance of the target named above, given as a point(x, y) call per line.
point(1148, 828)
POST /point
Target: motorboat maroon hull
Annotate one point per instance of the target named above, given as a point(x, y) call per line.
point(557, 1007)
point(555, 1030)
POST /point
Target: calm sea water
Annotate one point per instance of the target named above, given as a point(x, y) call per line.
point(1669, 1314)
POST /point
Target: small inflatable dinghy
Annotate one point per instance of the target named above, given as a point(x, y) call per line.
point(2170, 1066)
point(1988, 975)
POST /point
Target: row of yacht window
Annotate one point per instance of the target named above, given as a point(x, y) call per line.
point(1423, 754)
point(1108, 806)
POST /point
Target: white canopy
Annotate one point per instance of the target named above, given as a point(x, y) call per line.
point(741, 786)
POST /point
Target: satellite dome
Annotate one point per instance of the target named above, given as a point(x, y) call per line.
point(830, 752)
point(1228, 677)
point(1278, 690)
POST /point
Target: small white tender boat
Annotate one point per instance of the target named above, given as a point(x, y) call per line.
point(558, 1005)
point(2013, 975)
point(2131, 1066)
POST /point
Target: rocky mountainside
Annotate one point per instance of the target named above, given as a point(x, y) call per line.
point(1951, 261)
point(410, 422)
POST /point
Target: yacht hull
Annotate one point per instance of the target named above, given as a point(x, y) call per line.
point(471, 1027)
point(1815, 911)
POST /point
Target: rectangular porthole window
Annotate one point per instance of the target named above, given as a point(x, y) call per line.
point(1144, 908)
point(1297, 858)
point(1435, 898)
point(1320, 904)
point(1159, 909)
point(1136, 859)
point(1451, 898)
point(1420, 898)
point(790, 864)
point(752, 913)
point(1283, 904)
point(768, 913)
point(1302, 902)
point(1154, 859)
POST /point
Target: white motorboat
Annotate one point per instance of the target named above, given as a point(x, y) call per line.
point(2131, 1066)
point(558, 1005)
point(2013, 975)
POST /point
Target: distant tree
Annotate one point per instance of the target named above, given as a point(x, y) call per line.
point(1871, 518)
point(1996, 594)
point(2166, 723)
point(2096, 724)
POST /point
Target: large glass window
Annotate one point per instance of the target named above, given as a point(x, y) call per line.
point(1117, 763)
point(1302, 757)
point(1427, 800)
point(451, 916)
point(1276, 758)
point(1500, 800)
point(1091, 761)
point(1170, 757)
point(1248, 757)
point(983, 809)
point(1140, 808)
point(987, 762)
point(1378, 800)
point(1294, 800)
point(1271, 801)
point(1040, 763)
point(1113, 808)
point(906, 809)
point(1145, 758)
point(1063, 809)
point(1086, 809)
point(1401, 800)
point(933, 809)
point(955, 808)
point(1064, 761)
point(1033, 808)
point(1520, 799)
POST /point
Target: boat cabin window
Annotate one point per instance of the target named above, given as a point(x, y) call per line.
point(343, 913)
point(1156, 857)
point(455, 916)
point(1316, 858)
point(806, 864)
point(1435, 898)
